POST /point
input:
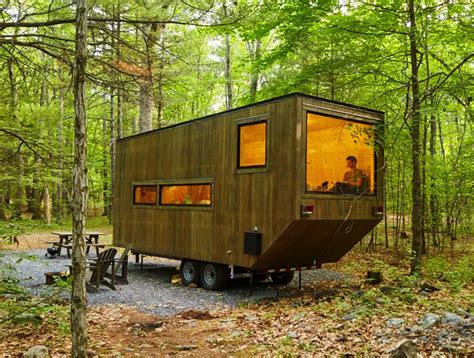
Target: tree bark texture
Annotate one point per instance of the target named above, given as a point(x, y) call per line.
point(253, 48)
point(47, 206)
point(58, 206)
point(227, 64)
point(110, 193)
point(146, 83)
point(13, 113)
point(80, 189)
point(146, 104)
point(228, 75)
point(415, 137)
point(105, 156)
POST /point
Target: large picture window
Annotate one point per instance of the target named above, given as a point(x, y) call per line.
point(186, 194)
point(144, 194)
point(252, 151)
point(340, 156)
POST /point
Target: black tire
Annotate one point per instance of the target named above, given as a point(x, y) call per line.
point(282, 278)
point(259, 277)
point(190, 271)
point(214, 277)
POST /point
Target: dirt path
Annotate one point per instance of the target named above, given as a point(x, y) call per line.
point(39, 240)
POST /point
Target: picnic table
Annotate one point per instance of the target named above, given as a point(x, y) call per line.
point(65, 241)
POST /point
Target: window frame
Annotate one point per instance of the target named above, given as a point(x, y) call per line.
point(134, 202)
point(354, 120)
point(181, 183)
point(247, 124)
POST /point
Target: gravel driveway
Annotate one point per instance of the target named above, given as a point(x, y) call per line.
point(150, 288)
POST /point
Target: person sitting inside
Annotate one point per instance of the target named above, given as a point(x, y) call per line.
point(353, 180)
point(353, 177)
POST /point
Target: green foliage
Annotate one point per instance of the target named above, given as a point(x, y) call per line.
point(458, 274)
point(18, 307)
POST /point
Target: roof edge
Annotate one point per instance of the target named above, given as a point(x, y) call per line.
point(293, 94)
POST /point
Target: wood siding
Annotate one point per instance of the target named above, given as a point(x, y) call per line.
point(205, 151)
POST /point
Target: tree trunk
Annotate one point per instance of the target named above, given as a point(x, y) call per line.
point(120, 91)
point(110, 193)
point(416, 219)
point(424, 213)
point(253, 48)
point(105, 156)
point(160, 103)
point(146, 104)
point(47, 206)
point(18, 199)
point(385, 215)
point(58, 198)
point(228, 75)
point(433, 197)
point(227, 66)
point(146, 83)
point(34, 192)
point(80, 189)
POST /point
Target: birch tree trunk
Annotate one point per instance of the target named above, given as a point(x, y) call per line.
point(227, 64)
point(146, 104)
point(146, 83)
point(228, 75)
point(416, 219)
point(79, 204)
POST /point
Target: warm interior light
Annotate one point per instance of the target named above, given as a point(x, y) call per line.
point(252, 144)
point(192, 194)
point(329, 141)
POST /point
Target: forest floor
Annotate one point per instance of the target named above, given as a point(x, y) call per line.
point(432, 314)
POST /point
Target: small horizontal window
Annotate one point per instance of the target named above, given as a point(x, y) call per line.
point(252, 151)
point(144, 194)
point(186, 194)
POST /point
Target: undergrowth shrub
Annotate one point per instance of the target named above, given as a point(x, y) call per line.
point(458, 274)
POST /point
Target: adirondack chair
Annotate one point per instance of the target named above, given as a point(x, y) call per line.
point(121, 263)
point(98, 270)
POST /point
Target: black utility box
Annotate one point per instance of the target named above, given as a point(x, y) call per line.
point(253, 243)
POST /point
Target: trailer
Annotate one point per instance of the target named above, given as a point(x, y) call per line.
point(273, 187)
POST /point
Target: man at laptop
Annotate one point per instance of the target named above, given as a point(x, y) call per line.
point(353, 178)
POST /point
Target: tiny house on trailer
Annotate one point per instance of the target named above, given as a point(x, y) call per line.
point(255, 189)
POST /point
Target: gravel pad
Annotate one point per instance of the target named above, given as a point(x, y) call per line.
point(150, 287)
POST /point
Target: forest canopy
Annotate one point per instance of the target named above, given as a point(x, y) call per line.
point(152, 64)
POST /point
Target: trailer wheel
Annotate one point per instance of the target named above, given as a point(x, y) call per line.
point(259, 277)
point(282, 278)
point(214, 276)
point(189, 271)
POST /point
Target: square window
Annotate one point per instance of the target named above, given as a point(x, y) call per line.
point(252, 145)
point(144, 194)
